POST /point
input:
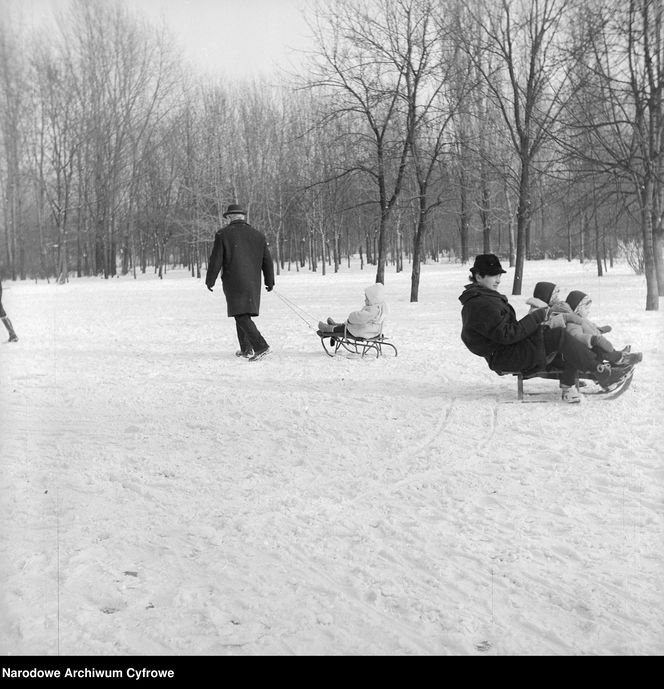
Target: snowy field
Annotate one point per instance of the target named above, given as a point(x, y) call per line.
point(161, 497)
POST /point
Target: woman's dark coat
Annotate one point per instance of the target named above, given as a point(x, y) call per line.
point(491, 330)
point(240, 253)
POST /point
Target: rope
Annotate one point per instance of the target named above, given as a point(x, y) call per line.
point(298, 311)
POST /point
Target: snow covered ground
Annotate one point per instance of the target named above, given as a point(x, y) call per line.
point(160, 496)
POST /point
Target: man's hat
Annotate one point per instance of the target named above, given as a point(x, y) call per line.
point(234, 209)
point(487, 264)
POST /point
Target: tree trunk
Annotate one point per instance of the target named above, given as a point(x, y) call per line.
point(418, 241)
point(652, 292)
point(522, 224)
point(598, 246)
point(510, 227)
point(658, 238)
point(380, 269)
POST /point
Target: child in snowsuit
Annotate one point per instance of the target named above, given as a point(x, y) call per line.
point(579, 303)
point(576, 308)
point(6, 321)
point(366, 322)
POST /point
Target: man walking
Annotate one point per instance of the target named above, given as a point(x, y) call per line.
point(241, 253)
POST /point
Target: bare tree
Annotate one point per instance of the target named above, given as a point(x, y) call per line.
point(360, 78)
point(122, 74)
point(55, 149)
point(13, 103)
point(527, 83)
point(436, 82)
point(616, 125)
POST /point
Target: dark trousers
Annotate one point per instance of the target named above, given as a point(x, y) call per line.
point(571, 354)
point(248, 335)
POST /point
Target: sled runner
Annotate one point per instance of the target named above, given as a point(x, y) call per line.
point(612, 391)
point(586, 383)
point(355, 345)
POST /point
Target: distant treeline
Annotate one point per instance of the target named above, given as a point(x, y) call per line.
point(416, 130)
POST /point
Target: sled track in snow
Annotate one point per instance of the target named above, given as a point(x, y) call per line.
point(472, 455)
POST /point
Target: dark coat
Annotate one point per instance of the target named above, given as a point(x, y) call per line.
point(240, 253)
point(491, 329)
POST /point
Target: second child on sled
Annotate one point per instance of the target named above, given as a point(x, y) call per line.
point(583, 329)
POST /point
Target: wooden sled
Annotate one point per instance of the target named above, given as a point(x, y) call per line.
point(355, 345)
point(586, 383)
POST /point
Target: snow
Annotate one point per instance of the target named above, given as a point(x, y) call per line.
point(162, 497)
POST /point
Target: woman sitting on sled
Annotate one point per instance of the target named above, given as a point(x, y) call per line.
point(491, 330)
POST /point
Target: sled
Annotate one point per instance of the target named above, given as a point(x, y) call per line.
point(586, 383)
point(355, 345)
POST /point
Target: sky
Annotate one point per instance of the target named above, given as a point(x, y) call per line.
point(239, 37)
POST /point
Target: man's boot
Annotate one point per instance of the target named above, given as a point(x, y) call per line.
point(8, 324)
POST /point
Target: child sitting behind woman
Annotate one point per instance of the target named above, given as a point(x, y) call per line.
point(368, 321)
point(583, 329)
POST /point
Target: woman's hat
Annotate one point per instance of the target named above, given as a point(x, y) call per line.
point(234, 209)
point(487, 264)
point(574, 298)
point(544, 291)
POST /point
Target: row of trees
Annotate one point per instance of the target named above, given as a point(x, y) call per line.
point(415, 130)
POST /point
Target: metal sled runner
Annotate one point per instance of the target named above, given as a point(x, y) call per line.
point(585, 382)
point(355, 345)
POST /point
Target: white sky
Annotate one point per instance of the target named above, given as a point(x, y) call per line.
point(238, 37)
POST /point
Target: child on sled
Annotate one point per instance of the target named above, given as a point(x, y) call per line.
point(368, 321)
point(581, 328)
